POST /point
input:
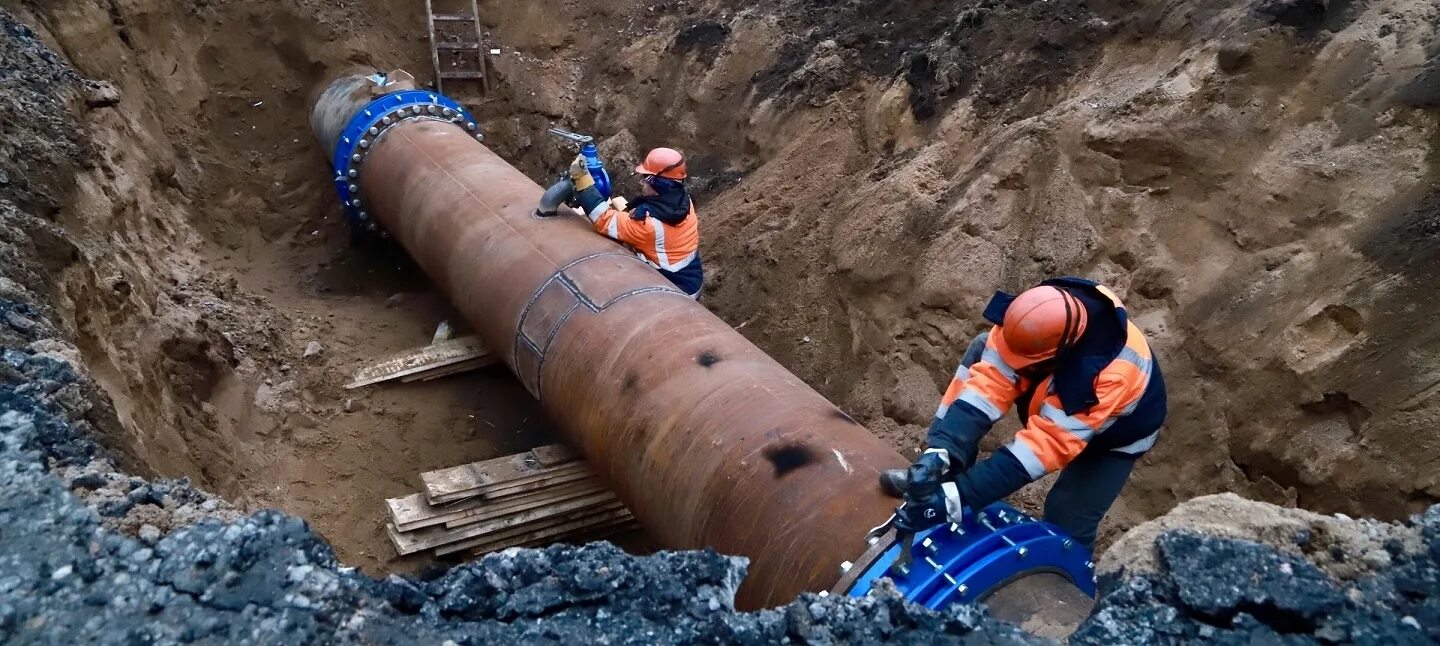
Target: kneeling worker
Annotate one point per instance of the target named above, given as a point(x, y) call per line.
point(659, 224)
point(1087, 389)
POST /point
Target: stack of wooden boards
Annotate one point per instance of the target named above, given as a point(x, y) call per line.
point(544, 496)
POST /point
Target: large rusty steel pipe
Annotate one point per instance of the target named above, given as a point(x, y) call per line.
point(708, 441)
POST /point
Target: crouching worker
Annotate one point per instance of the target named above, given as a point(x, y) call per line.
point(659, 224)
point(1086, 387)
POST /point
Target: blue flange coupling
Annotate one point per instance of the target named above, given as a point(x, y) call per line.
point(964, 562)
point(370, 124)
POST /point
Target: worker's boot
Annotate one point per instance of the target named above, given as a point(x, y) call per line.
point(894, 482)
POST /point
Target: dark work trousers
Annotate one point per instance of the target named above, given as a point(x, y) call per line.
point(1087, 487)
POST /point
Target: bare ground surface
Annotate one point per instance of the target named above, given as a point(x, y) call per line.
point(1255, 179)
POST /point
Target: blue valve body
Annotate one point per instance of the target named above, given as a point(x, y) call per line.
point(597, 169)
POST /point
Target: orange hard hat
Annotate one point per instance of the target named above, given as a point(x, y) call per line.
point(1039, 323)
point(665, 162)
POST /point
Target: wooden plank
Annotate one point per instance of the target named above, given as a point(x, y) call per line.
point(607, 524)
point(433, 537)
point(463, 76)
point(458, 46)
point(589, 534)
point(475, 475)
point(437, 355)
point(516, 536)
point(512, 490)
point(572, 531)
point(479, 52)
point(553, 454)
point(493, 494)
point(540, 498)
point(430, 18)
point(452, 369)
point(512, 536)
point(459, 485)
point(452, 17)
point(414, 511)
point(459, 368)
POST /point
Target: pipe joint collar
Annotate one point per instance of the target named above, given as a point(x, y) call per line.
point(370, 124)
point(964, 562)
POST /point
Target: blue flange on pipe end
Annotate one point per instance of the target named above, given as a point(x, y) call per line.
point(964, 562)
point(370, 123)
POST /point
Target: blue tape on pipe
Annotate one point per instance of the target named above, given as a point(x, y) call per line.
point(964, 562)
point(358, 131)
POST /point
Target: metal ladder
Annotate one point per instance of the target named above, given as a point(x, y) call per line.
point(456, 50)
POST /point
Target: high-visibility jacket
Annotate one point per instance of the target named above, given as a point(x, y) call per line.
point(1105, 392)
point(674, 249)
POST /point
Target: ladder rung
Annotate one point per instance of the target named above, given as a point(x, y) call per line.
point(454, 17)
point(463, 76)
point(457, 46)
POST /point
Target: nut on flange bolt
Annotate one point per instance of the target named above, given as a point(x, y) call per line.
point(845, 566)
point(930, 546)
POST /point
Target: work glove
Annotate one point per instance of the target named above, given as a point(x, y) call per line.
point(580, 175)
point(928, 470)
point(921, 511)
point(926, 473)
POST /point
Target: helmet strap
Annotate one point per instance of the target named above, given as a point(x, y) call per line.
point(671, 167)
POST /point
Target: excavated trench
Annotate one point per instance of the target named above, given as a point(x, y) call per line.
point(217, 257)
point(1257, 180)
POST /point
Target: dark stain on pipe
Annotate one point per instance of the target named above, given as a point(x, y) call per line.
point(788, 458)
point(707, 358)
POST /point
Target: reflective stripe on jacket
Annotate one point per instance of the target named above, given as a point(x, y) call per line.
point(1105, 392)
point(1051, 438)
point(673, 249)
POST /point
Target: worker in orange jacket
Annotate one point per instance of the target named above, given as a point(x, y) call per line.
point(1087, 388)
point(660, 224)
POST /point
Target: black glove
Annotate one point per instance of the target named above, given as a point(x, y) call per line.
point(914, 516)
point(925, 475)
point(930, 497)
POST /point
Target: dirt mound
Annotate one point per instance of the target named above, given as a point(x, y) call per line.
point(1226, 570)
